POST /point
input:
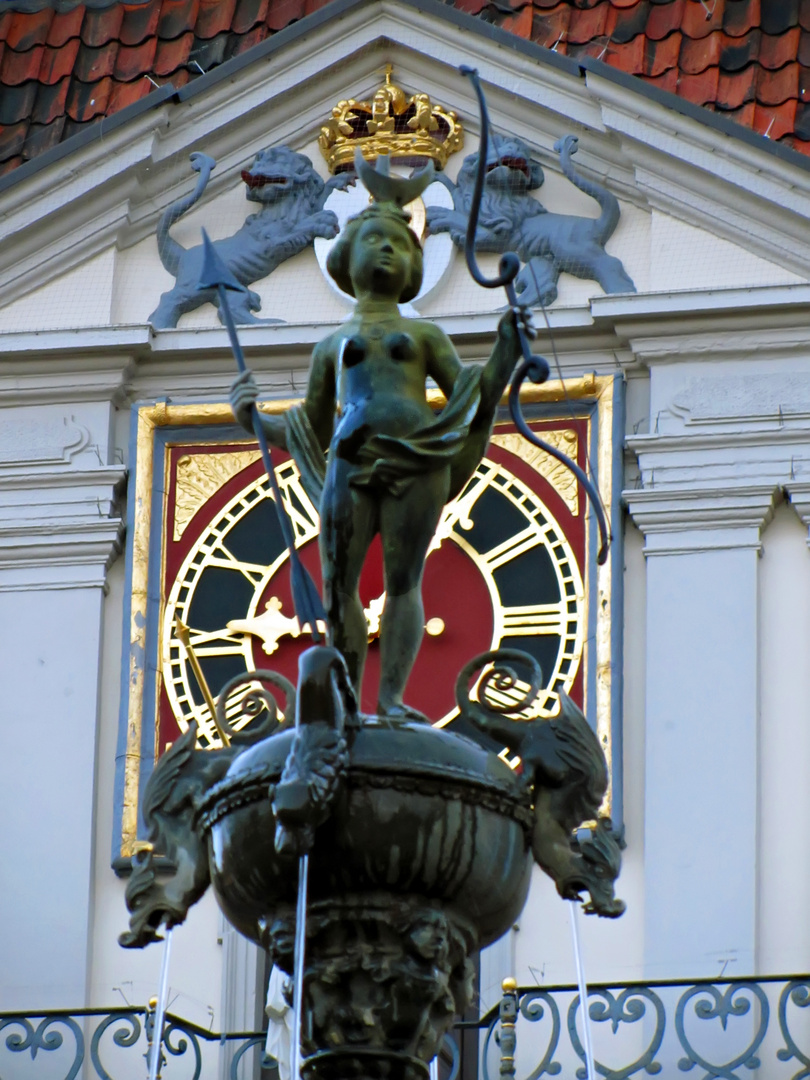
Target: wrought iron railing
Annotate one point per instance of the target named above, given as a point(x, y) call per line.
point(723, 1029)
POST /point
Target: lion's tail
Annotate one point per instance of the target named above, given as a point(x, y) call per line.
point(169, 250)
point(609, 218)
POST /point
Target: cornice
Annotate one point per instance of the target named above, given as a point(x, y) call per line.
point(60, 527)
point(705, 519)
point(708, 178)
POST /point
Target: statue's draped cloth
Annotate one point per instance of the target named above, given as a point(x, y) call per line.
point(456, 437)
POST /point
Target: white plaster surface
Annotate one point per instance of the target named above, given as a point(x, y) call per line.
point(49, 673)
point(783, 933)
point(196, 965)
point(80, 297)
point(685, 257)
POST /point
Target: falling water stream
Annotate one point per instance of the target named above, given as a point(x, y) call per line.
point(583, 993)
point(160, 1009)
point(298, 970)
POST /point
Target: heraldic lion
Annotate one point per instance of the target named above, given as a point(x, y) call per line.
point(291, 197)
point(512, 220)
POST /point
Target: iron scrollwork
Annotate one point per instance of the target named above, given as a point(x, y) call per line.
point(627, 1007)
point(533, 367)
point(796, 992)
point(712, 1003)
point(553, 1048)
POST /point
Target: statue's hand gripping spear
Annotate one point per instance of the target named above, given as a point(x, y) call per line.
point(306, 598)
point(532, 367)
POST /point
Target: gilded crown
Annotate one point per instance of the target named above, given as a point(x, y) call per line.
point(408, 129)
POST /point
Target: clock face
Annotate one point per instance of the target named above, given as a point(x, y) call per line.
point(503, 570)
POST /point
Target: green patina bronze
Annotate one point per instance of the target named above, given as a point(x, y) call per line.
point(420, 841)
point(391, 464)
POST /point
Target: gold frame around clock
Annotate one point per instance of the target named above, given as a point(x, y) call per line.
point(597, 389)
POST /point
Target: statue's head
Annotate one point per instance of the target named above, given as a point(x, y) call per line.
point(378, 253)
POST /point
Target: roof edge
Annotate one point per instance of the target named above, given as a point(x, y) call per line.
point(93, 133)
point(707, 117)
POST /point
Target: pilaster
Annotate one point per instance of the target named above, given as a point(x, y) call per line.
point(59, 532)
point(729, 434)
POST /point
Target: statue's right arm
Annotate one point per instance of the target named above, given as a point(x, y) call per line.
point(321, 396)
point(244, 393)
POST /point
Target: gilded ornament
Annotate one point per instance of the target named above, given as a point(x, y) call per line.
point(561, 479)
point(199, 476)
point(391, 123)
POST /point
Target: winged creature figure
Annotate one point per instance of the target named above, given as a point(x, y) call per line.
point(180, 777)
point(564, 765)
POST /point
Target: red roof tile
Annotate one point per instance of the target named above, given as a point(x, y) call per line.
point(281, 13)
point(776, 50)
point(736, 88)
point(664, 19)
point(702, 17)
point(127, 93)
point(243, 42)
point(776, 120)
point(668, 81)
point(20, 67)
point(699, 89)
point(520, 24)
point(86, 101)
point(140, 22)
point(65, 25)
point(744, 115)
point(776, 87)
point(738, 52)
point(629, 57)
point(93, 64)
point(26, 31)
point(131, 62)
point(12, 137)
point(50, 103)
point(247, 14)
point(42, 137)
point(699, 53)
point(171, 55)
point(739, 16)
point(176, 17)
point(661, 56)
point(587, 24)
point(62, 70)
point(777, 16)
point(102, 25)
point(57, 63)
point(215, 17)
point(550, 27)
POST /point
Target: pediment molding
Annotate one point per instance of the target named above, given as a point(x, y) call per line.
point(112, 190)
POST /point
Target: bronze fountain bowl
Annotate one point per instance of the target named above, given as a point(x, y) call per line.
point(422, 812)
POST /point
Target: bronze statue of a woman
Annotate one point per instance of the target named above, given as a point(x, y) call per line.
point(392, 463)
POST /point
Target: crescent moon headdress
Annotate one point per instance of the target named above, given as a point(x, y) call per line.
point(385, 188)
point(391, 194)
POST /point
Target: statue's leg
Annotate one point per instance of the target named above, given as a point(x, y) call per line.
point(407, 525)
point(348, 525)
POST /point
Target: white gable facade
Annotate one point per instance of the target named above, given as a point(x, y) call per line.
point(712, 601)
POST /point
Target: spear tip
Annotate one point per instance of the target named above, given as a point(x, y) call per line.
point(214, 270)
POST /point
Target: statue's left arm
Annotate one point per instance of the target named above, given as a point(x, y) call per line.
point(443, 364)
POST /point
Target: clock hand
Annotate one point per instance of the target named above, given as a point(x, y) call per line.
point(270, 625)
point(181, 630)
